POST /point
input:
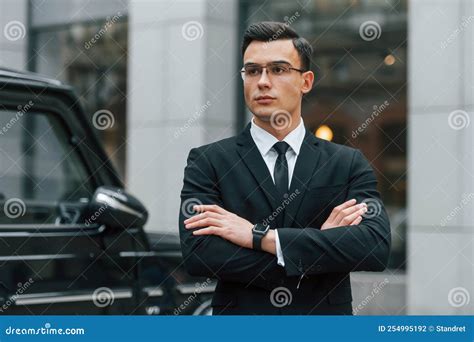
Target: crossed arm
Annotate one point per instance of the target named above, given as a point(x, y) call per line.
point(217, 243)
point(214, 220)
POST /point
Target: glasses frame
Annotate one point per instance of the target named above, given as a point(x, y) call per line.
point(264, 66)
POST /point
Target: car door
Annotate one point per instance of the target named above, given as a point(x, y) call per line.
point(53, 260)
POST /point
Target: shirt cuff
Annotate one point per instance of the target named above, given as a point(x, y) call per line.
point(279, 252)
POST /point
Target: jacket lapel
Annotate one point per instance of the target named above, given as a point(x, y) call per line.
point(252, 158)
point(306, 164)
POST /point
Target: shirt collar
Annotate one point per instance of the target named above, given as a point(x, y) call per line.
point(265, 140)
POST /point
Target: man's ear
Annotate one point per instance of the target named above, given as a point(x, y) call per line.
point(308, 79)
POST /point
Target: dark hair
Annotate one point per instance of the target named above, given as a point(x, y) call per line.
point(272, 30)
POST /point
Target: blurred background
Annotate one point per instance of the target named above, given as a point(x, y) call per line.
point(394, 78)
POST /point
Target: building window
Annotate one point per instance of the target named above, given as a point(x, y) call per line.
point(92, 57)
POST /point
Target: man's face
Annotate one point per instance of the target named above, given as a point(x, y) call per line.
point(266, 93)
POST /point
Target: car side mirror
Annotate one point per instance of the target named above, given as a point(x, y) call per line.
point(115, 208)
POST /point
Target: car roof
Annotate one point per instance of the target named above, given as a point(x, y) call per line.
point(28, 77)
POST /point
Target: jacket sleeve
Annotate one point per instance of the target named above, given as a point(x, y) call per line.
point(365, 247)
point(213, 256)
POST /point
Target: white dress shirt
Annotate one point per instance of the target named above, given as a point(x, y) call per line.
point(265, 142)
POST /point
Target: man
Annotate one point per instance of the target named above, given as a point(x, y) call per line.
point(282, 216)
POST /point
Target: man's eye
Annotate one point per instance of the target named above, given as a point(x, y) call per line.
point(278, 70)
point(253, 71)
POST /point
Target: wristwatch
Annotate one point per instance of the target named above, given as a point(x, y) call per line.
point(258, 232)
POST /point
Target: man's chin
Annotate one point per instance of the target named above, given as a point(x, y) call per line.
point(264, 114)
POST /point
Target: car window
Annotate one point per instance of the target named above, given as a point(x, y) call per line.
point(39, 167)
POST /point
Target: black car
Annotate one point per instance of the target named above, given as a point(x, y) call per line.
point(71, 238)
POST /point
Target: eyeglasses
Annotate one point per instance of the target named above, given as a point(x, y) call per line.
point(278, 69)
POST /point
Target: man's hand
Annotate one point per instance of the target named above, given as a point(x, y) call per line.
point(221, 222)
point(347, 214)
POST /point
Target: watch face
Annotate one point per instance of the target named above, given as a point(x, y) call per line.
point(260, 228)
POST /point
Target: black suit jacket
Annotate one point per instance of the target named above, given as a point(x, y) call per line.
point(315, 280)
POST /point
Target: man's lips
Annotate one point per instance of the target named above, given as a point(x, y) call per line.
point(264, 99)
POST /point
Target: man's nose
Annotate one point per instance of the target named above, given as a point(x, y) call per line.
point(264, 81)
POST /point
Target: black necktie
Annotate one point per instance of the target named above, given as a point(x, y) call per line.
point(280, 173)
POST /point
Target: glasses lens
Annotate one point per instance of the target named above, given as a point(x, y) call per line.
point(252, 70)
point(279, 68)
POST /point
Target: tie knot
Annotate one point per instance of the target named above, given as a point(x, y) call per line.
point(281, 147)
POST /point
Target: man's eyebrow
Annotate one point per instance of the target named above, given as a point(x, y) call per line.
point(281, 61)
point(278, 61)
